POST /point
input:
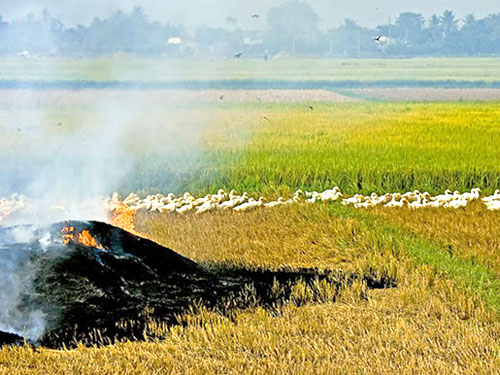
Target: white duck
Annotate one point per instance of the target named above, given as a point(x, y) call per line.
point(456, 203)
point(208, 206)
point(447, 196)
point(357, 198)
point(493, 205)
point(330, 195)
point(278, 202)
point(171, 207)
point(250, 205)
point(473, 195)
point(366, 204)
point(314, 197)
point(494, 197)
point(185, 208)
point(396, 203)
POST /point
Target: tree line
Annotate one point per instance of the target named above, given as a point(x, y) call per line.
point(291, 29)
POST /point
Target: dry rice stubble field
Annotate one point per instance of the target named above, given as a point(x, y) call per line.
point(425, 324)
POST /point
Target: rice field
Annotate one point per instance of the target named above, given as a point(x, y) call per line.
point(130, 68)
point(262, 147)
point(439, 317)
point(363, 148)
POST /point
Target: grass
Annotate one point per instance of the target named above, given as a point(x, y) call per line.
point(129, 68)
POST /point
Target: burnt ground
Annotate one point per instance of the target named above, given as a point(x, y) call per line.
point(81, 290)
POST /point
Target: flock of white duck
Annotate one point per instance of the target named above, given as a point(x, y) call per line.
point(232, 201)
point(223, 200)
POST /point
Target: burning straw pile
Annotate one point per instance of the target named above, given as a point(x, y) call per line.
point(93, 282)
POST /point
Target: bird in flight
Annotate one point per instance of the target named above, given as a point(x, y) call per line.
point(255, 16)
point(311, 107)
point(238, 55)
point(381, 39)
point(221, 97)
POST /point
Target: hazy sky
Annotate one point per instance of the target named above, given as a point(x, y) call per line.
point(214, 12)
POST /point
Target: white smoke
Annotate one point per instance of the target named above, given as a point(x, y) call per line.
point(16, 276)
point(62, 153)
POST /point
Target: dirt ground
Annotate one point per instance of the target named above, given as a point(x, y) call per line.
point(17, 99)
point(13, 98)
point(428, 94)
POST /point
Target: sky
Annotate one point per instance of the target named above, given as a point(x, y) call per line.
point(193, 13)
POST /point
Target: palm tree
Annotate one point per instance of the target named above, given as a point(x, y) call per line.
point(449, 22)
point(435, 30)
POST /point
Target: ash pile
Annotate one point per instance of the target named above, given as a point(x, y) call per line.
point(84, 281)
point(63, 283)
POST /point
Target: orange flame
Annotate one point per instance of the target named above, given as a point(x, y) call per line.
point(67, 234)
point(84, 237)
point(124, 217)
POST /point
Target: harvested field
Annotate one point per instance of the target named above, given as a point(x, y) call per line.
point(275, 96)
point(428, 94)
point(16, 98)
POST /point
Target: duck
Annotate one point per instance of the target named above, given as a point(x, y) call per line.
point(444, 197)
point(279, 201)
point(366, 204)
point(292, 200)
point(208, 206)
point(329, 195)
point(357, 198)
point(418, 203)
point(155, 205)
point(171, 207)
point(245, 197)
point(386, 198)
point(199, 201)
point(493, 205)
point(227, 204)
point(403, 202)
point(473, 195)
point(299, 193)
point(456, 203)
point(221, 195)
point(397, 203)
point(494, 197)
point(144, 206)
point(314, 197)
point(185, 208)
point(251, 204)
point(434, 204)
point(412, 195)
point(132, 198)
